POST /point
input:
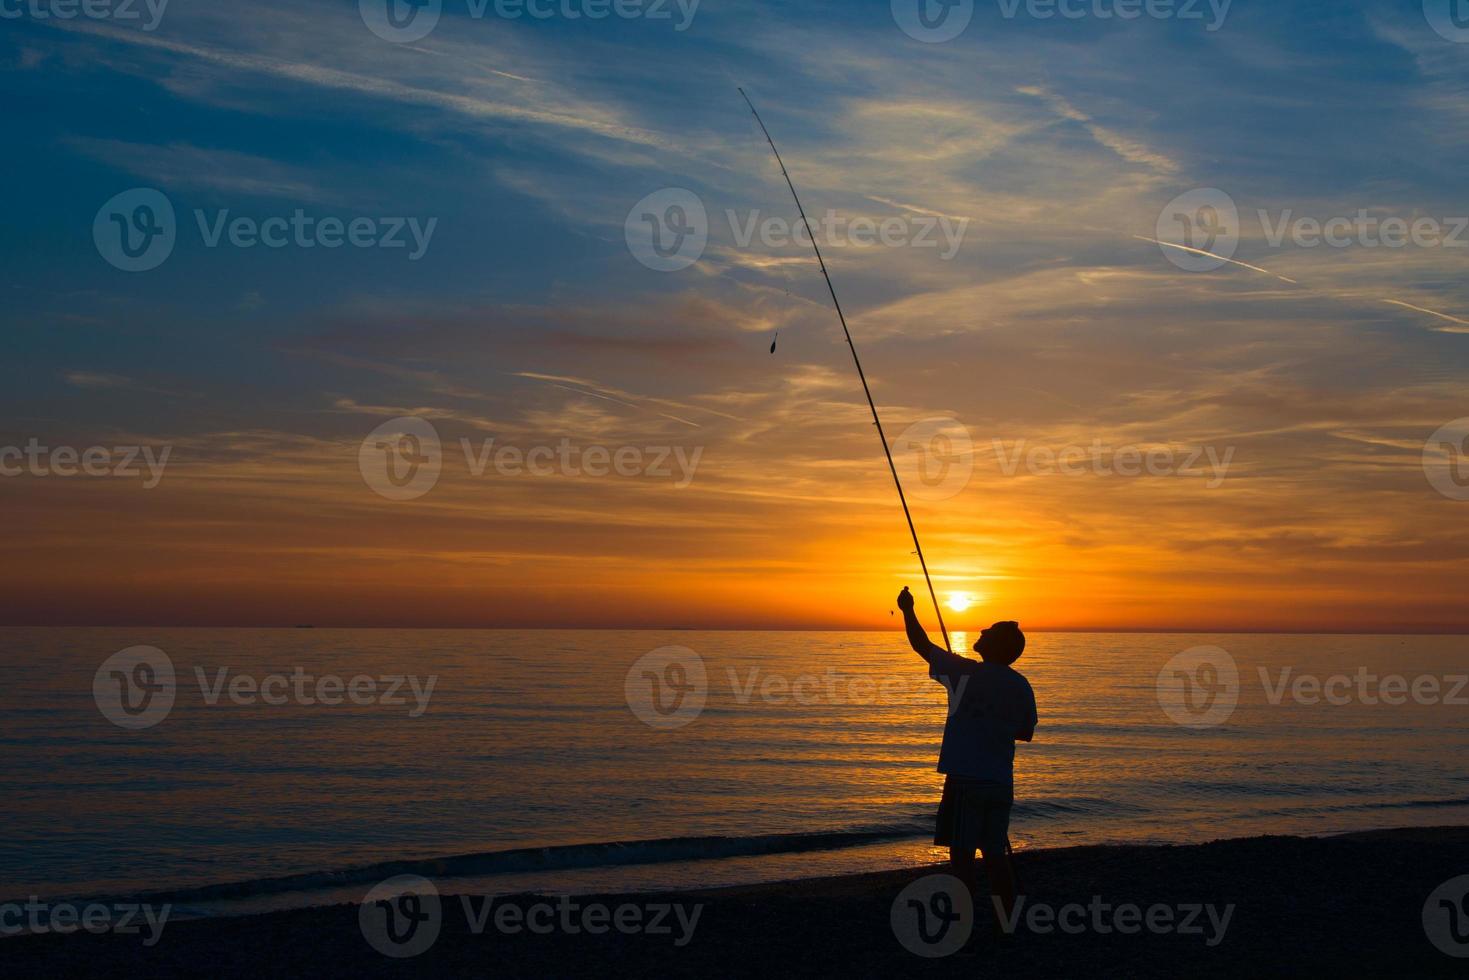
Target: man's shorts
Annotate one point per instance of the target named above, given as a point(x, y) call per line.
point(974, 814)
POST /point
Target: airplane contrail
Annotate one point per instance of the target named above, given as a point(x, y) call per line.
point(1221, 258)
point(556, 382)
point(1295, 282)
point(1420, 309)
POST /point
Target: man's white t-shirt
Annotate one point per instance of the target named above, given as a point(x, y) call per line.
point(990, 705)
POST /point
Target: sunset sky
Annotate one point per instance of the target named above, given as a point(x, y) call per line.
point(1318, 372)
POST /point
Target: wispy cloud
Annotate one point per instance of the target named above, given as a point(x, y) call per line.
point(184, 166)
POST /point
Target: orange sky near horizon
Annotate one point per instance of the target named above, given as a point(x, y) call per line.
point(277, 533)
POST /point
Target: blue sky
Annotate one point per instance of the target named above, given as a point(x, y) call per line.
point(527, 142)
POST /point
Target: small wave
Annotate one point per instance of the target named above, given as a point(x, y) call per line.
point(1072, 805)
point(1327, 808)
point(1413, 804)
point(558, 857)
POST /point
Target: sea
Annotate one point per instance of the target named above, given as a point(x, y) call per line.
point(240, 770)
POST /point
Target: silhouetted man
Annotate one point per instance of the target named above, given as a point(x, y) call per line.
point(991, 707)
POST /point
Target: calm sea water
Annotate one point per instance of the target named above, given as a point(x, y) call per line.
point(528, 741)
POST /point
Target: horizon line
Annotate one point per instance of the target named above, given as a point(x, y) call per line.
point(1233, 630)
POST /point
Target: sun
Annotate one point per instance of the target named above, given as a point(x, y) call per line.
point(960, 601)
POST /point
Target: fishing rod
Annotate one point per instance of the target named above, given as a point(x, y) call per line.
point(857, 361)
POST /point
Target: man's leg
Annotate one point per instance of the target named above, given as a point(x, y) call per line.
point(1002, 882)
point(961, 862)
point(965, 815)
point(994, 846)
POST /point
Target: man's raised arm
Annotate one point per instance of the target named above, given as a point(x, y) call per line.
point(922, 646)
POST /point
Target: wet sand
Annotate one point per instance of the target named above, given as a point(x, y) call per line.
point(1346, 906)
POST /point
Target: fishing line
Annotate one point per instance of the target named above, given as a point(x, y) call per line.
point(858, 362)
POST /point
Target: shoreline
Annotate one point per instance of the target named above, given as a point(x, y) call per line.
point(1351, 903)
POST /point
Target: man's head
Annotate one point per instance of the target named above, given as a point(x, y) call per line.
point(1002, 643)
